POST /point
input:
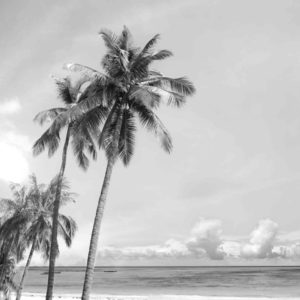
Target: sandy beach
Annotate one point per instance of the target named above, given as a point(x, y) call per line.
point(28, 296)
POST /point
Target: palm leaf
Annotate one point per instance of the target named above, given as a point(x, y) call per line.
point(127, 137)
point(67, 228)
point(148, 95)
point(152, 122)
point(110, 40)
point(85, 71)
point(64, 88)
point(180, 85)
point(160, 55)
point(48, 115)
point(148, 47)
point(125, 39)
point(48, 140)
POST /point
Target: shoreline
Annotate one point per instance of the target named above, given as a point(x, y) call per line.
point(37, 296)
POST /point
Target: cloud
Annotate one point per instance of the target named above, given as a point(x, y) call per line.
point(206, 235)
point(205, 241)
point(231, 248)
point(261, 240)
point(170, 248)
point(14, 148)
point(285, 251)
point(10, 106)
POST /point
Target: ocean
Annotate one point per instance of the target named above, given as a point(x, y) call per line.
point(204, 281)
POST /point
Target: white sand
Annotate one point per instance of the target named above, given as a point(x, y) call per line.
point(28, 296)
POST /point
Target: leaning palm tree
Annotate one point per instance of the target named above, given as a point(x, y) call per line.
point(80, 132)
point(38, 232)
point(130, 89)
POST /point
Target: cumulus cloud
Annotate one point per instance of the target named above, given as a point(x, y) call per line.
point(205, 241)
point(261, 241)
point(288, 251)
point(10, 106)
point(206, 235)
point(231, 248)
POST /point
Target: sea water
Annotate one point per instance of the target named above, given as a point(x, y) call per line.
point(205, 281)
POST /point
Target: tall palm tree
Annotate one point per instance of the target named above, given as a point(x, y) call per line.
point(38, 232)
point(80, 131)
point(130, 89)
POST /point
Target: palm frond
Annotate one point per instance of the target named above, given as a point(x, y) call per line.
point(110, 40)
point(84, 70)
point(125, 39)
point(148, 95)
point(149, 119)
point(92, 120)
point(171, 97)
point(108, 122)
point(179, 85)
point(160, 55)
point(78, 145)
point(67, 228)
point(84, 80)
point(64, 88)
point(45, 247)
point(48, 115)
point(48, 140)
point(108, 134)
point(7, 205)
point(148, 47)
point(127, 136)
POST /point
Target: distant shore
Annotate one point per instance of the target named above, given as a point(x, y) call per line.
point(35, 296)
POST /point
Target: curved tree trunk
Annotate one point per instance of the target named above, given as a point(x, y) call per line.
point(89, 272)
point(88, 280)
point(54, 246)
point(19, 292)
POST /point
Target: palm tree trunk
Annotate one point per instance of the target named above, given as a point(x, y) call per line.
point(19, 293)
point(88, 280)
point(89, 272)
point(54, 246)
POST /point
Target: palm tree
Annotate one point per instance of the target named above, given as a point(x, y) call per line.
point(7, 266)
point(28, 223)
point(12, 242)
point(130, 90)
point(38, 231)
point(80, 131)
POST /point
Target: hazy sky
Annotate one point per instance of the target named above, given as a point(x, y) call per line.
point(229, 192)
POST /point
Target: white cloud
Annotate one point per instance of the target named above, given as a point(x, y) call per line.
point(261, 240)
point(288, 251)
point(206, 235)
point(14, 147)
point(205, 242)
point(13, 151)
point(170, 248)
point(231, 248)
point(10, 106)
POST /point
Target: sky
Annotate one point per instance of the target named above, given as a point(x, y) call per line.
point(228, 194)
